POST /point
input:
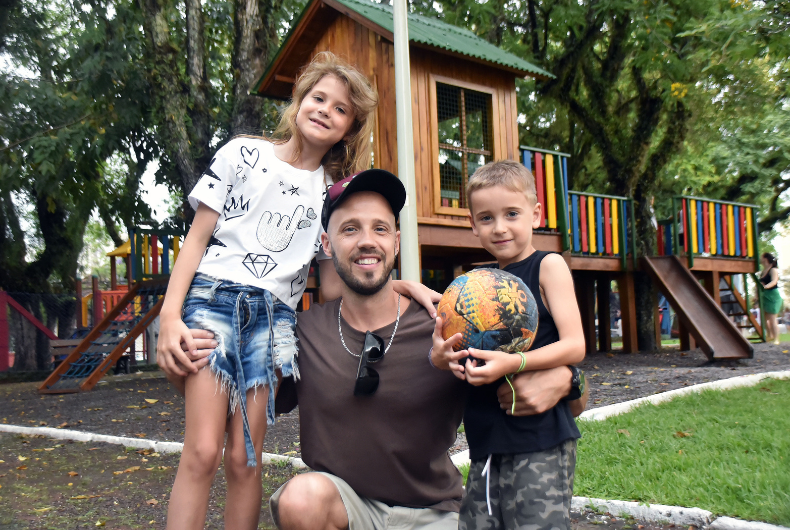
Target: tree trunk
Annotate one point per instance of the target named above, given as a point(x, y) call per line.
point(169, 90)
point(256, 35)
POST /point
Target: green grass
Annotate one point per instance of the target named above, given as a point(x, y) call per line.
point(727, 452)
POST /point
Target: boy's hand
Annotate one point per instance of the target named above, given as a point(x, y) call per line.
point(421, 294)
point(443, 356)
point(176, 351)
point(497, 365)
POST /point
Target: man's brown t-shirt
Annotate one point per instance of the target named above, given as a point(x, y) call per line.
point(391, 446)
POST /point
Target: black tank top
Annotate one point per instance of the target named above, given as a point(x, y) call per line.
point(488, 429)
point(765, 279)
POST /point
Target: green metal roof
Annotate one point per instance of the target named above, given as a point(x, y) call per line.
point(434, 32)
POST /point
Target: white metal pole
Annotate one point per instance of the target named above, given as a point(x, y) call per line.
point(409, 246)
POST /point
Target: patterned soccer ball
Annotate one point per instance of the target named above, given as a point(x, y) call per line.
point(492, 309)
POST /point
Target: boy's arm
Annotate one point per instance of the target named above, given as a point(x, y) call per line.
point(172, 331)
point(557, 283)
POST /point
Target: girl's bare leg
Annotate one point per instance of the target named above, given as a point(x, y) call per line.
point(243, 503)
point(204, 432)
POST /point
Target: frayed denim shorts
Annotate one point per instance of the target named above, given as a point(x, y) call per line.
point(255, 337)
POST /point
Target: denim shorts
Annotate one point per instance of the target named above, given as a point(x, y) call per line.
point(255, 337)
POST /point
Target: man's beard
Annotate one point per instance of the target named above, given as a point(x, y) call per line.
point(355, 284)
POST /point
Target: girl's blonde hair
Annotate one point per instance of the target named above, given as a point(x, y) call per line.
point(343, 158)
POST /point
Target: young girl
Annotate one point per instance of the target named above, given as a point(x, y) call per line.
point(240, 274)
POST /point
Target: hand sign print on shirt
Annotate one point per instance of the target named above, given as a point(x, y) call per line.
point(275, 230)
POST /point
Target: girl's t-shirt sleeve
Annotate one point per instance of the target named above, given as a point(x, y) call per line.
point(218, 178)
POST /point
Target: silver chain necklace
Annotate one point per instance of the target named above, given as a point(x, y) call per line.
point(340, 330)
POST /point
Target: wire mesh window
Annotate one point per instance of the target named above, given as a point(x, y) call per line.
point(465, 139)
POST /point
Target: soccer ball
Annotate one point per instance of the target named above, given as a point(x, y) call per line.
point(492, 309)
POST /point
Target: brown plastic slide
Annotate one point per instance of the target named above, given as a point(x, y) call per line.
point(713, 331)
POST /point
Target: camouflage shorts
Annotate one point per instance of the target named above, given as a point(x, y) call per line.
point(526, 491)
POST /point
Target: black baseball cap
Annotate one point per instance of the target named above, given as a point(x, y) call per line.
point(376, 180)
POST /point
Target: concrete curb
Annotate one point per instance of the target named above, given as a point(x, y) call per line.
point(141, 443)
point(729, 523)
point(653, 513)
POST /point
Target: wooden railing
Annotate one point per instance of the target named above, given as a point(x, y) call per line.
point(602, 225)
point(707, 227)
point(550, 169)
point(149, 261)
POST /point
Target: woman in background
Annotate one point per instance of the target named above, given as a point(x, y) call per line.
point(772, 300)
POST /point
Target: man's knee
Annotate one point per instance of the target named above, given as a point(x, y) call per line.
point(307, 499)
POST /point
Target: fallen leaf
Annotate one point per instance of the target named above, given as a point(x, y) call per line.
point(170, 402)
point(683, 434)
point(49, 449)
point(629, 372)
point(606, 384)
point(122, 458)
point(132, 406)
point(22, 467)
point(117, 472)
point(64, 424)
point(150, 468)
point(289, 453)
point(680, 452)
point(152, 502)
point(79, 497)
point(73, 474)
point(624, 431)
point(141, 435)
point(783, 351)
point(93, 449)
point(132, 469)
point(42, 509)
point(151, 401)
point(610, 355)
point(100, 523)
point(22, 458)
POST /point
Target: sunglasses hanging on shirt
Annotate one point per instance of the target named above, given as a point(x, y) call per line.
point(367, 378)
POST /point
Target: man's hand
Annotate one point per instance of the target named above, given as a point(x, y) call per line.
point(536, 392)
point(442, 354)
point(203, 344)
point(175, 348)
point(497, 365)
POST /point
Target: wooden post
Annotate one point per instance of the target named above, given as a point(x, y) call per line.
point(585, 296)
point(687, 342)
point(129, 281)
point(113, 274)
point(604, 320)
point(657, 322)
point(625, 286)
point(78, 295)
point(4, 335)
point(98, 310)
point(711, 281)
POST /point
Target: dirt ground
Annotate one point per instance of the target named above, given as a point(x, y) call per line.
point(34, 472)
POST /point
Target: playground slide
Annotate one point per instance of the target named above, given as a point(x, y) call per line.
point(713, 331)
point(108, 340)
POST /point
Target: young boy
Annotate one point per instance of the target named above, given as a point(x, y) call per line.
point(521, 475)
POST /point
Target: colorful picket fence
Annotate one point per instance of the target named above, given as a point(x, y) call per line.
point(550, 169)
point(153, 252)
point(706, 227)
point(601, 225)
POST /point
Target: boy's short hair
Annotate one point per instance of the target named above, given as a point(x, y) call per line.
point(512, 175)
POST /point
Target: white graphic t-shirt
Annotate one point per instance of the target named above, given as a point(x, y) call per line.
point(269, 226)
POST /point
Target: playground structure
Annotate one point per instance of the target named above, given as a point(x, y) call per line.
point(118, 322)
point(464, 110)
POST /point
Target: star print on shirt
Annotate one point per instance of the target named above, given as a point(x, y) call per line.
point(283, 192)
point(211, 185)
point(281, 183)
point(294, 190)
